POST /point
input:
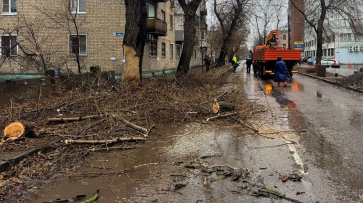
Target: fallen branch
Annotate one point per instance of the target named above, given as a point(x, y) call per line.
point(149, 131)
point(221, 116)
point(221, 95)
point(144, 130)
point(148, 164)
point(80, 118)
point(248, 126)
point(117, 140)
point(112, 148)
point(136, 127)
point(90, 126)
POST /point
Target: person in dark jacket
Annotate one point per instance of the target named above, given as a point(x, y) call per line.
point(207, 61)
point(281, 72)
point(248, 63)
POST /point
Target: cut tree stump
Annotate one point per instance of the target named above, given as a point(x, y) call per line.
point(13, 131)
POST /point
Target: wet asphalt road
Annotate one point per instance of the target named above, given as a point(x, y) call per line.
point(331, 148)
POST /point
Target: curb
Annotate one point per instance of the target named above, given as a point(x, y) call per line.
point(333, 83)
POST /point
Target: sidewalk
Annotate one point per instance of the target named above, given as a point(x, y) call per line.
point(330, 77)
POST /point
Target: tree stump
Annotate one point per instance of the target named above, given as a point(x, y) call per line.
point(13, 131)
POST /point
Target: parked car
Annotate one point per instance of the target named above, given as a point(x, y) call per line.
point(311, 60)
point(330, 62)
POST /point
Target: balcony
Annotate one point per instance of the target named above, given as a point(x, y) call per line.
point(156, 26)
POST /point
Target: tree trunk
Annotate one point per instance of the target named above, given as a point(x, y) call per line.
point(322, 72)
point(189, 34)
point(237, 12)
point(223, 53)
point(134, 42)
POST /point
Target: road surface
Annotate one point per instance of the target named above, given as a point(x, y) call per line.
point(331, 147)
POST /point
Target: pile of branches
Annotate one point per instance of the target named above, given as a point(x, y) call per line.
point(94, 118)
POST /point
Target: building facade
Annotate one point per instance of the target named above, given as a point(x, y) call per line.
point(283, 39)
point(339, 40)
point(296, 25)
point(37, 35)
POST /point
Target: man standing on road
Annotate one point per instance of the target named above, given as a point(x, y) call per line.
point(248, 63)
point(281, 73)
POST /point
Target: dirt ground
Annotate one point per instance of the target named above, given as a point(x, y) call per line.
point(100, 117)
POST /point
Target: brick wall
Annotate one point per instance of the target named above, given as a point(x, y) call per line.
point(101, 20)
point(296, 22)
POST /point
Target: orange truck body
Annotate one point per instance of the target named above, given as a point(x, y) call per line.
point(264, 59)
point(262, 54)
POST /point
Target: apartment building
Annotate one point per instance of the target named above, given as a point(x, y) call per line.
point(296, 25)
point(283, 39)
point(28, 27)
point(339, 40)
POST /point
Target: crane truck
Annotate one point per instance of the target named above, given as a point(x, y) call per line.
point(265, 57)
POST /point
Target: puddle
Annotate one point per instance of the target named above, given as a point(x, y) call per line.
point(114, 185)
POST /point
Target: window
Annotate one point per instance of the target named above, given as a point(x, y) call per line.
point(284, 37)
point(163, 49)
point(358, 38)
point(171, 23)
point(178, 50)
point(163, 15)
point(9, 7)
point(346, 37)
point(151, 11)
point(171, 51)
point(78, 6)
point(332, 52)
point(153, 48)
point(9, 45)
point(78, 45)
point(284, 46)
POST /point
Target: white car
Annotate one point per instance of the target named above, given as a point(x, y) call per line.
point(330, 62)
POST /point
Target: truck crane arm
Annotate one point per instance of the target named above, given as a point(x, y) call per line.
point(271, 39)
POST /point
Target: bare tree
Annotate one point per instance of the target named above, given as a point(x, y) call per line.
point(237, 41)
point(229, 15)
point(315, 13)
point(67, 17)
point(264, 20)
point(189, 10)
